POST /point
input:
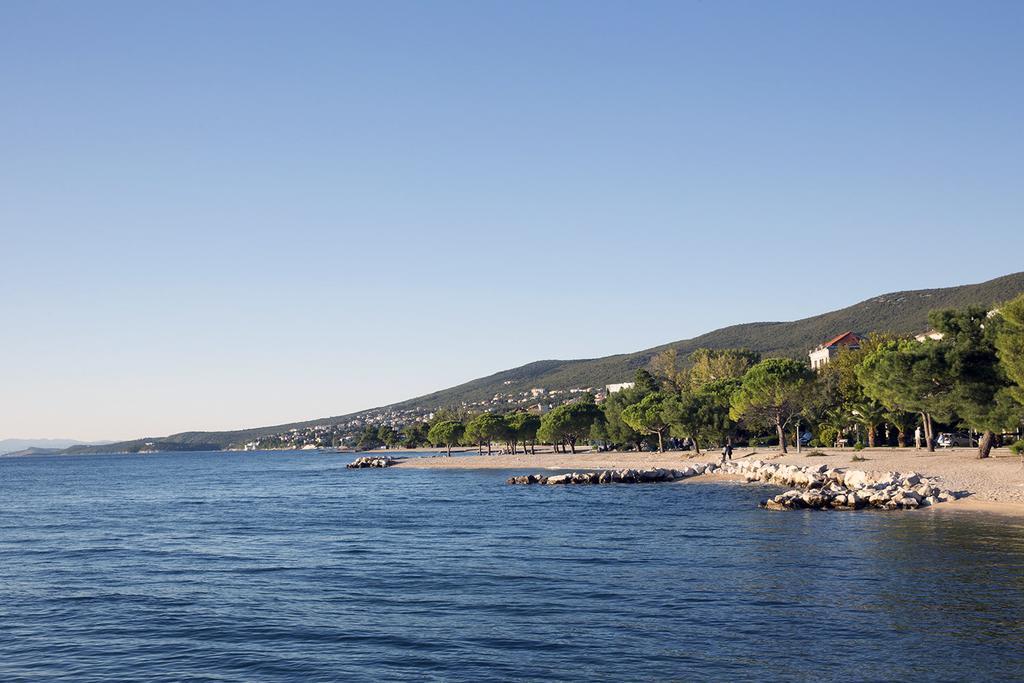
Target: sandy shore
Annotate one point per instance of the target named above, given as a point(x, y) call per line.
point(996, 484)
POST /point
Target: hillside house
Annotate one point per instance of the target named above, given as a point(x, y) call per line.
point(825, 352)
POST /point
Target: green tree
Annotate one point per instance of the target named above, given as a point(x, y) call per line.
point(414, 434)
point(486, 428)
point(712, 410)
point(910, 376)
point(711, 365)
point(523, 428)
point(645, 383)
point(446, 433)
point(617, 430)
point(387, 435)
point(703, 414)
point(368, 439)
point(1010, 345)
point(665, 368)
point(772, 393)
point(648, 416)
point(981, 393)
point(839, 390)
point(569, 423)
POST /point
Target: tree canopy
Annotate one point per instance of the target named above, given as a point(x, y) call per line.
point(486, 428)
point(1010, 345)
point(910, 376)
point(772, 392)
point(648, 416)
point(522, 427)
point(569, 423)
point(980, 393)
point(446, 433)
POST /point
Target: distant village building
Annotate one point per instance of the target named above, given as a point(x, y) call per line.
point(934, 335)
point(613, 388)
point(824, 353)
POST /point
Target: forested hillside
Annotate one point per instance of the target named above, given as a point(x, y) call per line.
point(900, 312)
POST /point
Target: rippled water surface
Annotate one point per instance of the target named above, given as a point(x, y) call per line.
point(286, 566)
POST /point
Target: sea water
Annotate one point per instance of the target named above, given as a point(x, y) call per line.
point(288, 567)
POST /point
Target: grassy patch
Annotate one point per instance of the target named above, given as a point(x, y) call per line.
point(816, 454)
point(857, 458)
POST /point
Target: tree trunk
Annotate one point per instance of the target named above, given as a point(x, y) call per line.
point(449, 450)
point(661, 444)
point(985, 443)
point(901, 438)
point(696, 446)
point(572, 446)
point(871, 435)
point(928, 432)
point(782, 436)
point(488, 448)
point(533, 448)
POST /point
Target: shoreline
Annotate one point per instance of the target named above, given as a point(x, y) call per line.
point(995, 485)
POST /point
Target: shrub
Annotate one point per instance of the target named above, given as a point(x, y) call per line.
point(1018, 447)
point(859, 446)
point(857, 458)
point(816, 454)
point(827, 436)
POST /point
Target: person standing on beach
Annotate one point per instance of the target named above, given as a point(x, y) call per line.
point(727, 452)
point(917, 438)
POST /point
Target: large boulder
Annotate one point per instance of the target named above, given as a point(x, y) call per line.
point(855, 479)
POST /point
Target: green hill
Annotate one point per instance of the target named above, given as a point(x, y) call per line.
point(900, 312)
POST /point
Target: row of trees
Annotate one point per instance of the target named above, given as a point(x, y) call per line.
point(564, 426)
point(972, 377)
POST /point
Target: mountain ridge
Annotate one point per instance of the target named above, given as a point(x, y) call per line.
point(901, 312)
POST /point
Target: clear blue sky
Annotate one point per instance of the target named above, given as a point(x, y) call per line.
point(219, 215)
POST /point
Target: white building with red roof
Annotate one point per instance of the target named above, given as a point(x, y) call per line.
point(824, 353)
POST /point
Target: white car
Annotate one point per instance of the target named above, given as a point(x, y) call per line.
point(948, 440)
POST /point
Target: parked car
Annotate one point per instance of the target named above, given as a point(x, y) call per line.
point(950, 440)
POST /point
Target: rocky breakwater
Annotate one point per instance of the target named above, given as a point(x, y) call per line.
point(815, 488)
point(367, 461)
point(822, 487)
point(627, 476)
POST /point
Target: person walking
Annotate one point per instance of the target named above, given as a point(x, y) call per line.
point(727, 452)
point(917, 438)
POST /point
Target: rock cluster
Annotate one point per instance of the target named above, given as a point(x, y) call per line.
point(368, 461)
point(816, 488)
point(628, 476)
point(822, 487)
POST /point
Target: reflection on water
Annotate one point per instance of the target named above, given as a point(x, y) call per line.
point(288, 567)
